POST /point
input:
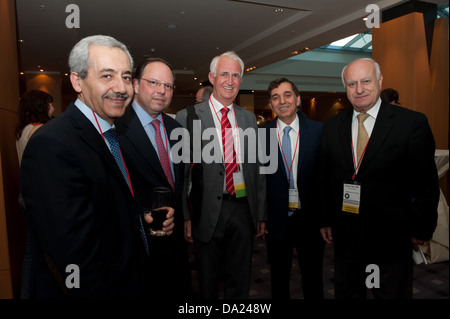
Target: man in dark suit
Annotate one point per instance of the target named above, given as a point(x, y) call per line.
point(291, 194)
point(379, 188)
point(87, 229)
point(233, 206)
point(153, 84)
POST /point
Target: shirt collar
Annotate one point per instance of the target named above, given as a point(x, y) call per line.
point(89, 113)
point(373, 111)
point(295, 125)
point(143, 116)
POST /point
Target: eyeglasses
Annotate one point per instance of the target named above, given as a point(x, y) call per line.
point(157, 84)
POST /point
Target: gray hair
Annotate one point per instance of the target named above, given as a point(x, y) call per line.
point(79, 56)
point(375, 64)
point(230, 54)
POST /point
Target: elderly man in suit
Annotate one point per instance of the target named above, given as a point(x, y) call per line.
point(379, 188)
point(78, 195)
point(153, 84)
point(292, 195)
point(233, 203)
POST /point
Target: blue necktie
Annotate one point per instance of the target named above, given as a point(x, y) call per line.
point(111, 136)
point(286, 144)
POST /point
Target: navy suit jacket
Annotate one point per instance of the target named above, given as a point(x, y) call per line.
point(277, 183)
point(144, 166)
point(80, 212)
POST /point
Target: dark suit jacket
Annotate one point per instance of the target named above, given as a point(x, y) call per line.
point(306, 179)
point(400, 190)
point(80, 210)
point(214, 174)
point(144, 166)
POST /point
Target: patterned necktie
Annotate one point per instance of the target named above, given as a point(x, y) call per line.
point(286, 144)
point(229, 153)
point(363, 137)
point(163, 154)
point(111, 136)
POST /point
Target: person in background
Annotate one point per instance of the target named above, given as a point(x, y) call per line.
point(292, 194)
point(35, 109)
point(153, 84)
point(203, 94)
point(233, 205)
point(88, 234)
point(379, 188)
point(390, 96)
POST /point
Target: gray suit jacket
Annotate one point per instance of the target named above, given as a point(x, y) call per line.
point(214, 173)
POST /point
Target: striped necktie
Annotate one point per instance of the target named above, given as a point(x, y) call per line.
point(229, 153)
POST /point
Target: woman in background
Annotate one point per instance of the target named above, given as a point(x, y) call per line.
point(35, 109)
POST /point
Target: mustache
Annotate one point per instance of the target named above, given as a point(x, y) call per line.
point(116, 96)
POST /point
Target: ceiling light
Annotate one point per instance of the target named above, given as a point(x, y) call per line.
point(172, 26)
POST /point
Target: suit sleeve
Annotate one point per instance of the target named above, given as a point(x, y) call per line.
point(61, 211)
point(181, 117)
point(424, 180)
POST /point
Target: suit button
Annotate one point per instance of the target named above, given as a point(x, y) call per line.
point(219, 197)
point(221, 173)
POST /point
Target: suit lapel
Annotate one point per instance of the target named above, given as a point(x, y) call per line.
point(383, 126)
point(302, 143)
point(345, 138)
point(92, 137)
point(139, 139)
point(206, 116)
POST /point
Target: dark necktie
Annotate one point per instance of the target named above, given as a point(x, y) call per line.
point(163, 154)
point(229, 153)
point(111, 136)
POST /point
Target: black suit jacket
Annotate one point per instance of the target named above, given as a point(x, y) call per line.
point(80, 210)
point(306, 179)
point(399, 182)
point(145, 168)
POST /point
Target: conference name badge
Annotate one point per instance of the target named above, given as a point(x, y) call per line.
point(239, 184)
point(293, 199)
point(352, 198)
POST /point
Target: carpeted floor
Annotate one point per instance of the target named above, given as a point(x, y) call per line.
point(430, 281)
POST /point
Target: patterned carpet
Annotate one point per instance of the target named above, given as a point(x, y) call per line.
point(430, 281)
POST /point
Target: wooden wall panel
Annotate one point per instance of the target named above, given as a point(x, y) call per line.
point(400, 47)
point(12, 225)
point(439, 64)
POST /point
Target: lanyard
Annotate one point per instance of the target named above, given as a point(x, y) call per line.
point(128, 175)
point(284, 156)
point(235, 121)
point(355, 163)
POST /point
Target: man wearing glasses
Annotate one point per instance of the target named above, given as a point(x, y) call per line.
point(144, 136)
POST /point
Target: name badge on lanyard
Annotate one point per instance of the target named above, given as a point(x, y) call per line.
point(352, 198)
point(239, 184)
point(293, 199)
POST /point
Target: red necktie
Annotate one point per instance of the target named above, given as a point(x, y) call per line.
point(163, 154)
point(228, 151)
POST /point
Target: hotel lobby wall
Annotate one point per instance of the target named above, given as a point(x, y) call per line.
point(12, 224)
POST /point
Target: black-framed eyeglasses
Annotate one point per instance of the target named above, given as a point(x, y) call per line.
point(157, 84)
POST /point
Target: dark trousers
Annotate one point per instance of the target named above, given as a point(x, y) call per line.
point(306, 239)
point(228, 255)
point(351, 274)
